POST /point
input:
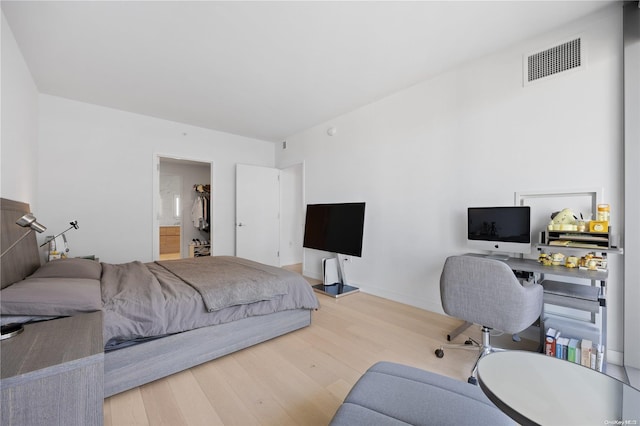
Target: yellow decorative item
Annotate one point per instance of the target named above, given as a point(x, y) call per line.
point(599, 226)
point(545, 259)
point(557, 259)
point(603, 212)
point(563, 220)
point(572, 262)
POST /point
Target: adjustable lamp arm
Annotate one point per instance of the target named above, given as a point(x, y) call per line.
point(15, 243)
point(73, 224)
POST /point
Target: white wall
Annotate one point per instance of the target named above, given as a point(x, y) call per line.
point(632, 189)
point(291, 214)
point(19, 125)
point(471, 136)
point(97, 167)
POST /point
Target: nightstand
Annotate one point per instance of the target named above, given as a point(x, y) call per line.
point(53, 373)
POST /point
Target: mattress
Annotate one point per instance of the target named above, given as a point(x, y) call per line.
point(167, 304)
point(143, 301)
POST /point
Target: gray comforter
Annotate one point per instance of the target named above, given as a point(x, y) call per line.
point(148, 300)
point(226, 281)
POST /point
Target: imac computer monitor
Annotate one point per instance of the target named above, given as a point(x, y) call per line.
point(500, 229)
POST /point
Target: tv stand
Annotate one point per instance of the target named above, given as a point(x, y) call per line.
point(333, 272)
point(335, 290)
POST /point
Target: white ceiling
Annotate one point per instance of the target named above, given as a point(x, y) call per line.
point(261, 69)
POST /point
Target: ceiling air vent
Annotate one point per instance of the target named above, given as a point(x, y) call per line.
point(557, 59)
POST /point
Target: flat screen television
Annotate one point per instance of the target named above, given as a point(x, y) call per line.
point(336, 228)
point(500, 229)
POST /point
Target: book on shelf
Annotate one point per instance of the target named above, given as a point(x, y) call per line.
point(562, 344)
point(585, 349)
point(550, 342)
point(600, 357)
point(572, 350)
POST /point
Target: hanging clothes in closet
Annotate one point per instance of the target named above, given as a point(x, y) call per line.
point(200, 212)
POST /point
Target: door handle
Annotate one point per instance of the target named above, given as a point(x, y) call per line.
point(241, 224)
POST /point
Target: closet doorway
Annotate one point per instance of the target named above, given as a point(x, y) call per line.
point(182, 206)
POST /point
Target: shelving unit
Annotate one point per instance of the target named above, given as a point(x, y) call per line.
point(589, 295)
point(582, 290)
point(578, 242)
point(199, 250)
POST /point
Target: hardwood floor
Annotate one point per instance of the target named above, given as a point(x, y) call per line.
point(170, 256)
point(300, 378)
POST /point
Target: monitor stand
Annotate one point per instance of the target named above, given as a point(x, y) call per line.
point(333, 271)
point(497, 256)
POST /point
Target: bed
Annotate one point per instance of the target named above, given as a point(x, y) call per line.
point(158, 317)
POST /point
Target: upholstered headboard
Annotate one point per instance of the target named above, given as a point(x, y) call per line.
point(24, 258)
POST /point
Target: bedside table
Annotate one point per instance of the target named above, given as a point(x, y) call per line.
point(53, 373)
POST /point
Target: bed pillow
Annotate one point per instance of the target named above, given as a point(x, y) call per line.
point(51, 296)
point(69, 268)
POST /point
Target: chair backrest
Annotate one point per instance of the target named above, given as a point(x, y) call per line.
point(486, 291)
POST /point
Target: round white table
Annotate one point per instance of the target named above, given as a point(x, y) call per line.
point(533, 388)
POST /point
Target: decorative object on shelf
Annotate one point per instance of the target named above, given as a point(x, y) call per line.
point(58, 247)
point(582, 225)
point(593, 263)
point(28, 220)
point(603, 212)
point(601, 224)
point(589, 261)
point(563, 220)
point(545, 259)
point(598, 226)
point(571, 262)
point(557, 259)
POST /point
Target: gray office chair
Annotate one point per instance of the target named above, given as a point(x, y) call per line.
point(486, 292)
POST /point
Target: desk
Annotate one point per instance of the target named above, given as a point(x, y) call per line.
point(537, 389)
point(583, 297)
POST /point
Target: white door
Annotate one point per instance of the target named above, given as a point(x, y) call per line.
point(258, 214)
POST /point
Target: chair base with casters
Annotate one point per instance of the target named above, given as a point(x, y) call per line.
point(462, 327)
point(455, 333)
point(483, 349)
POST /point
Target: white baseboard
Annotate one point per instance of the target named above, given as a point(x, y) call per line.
point(614, 357)
point(425, 304)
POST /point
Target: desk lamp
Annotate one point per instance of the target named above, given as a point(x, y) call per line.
point(28, 220)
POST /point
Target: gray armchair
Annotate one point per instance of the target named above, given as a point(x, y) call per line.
point(486, 292)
